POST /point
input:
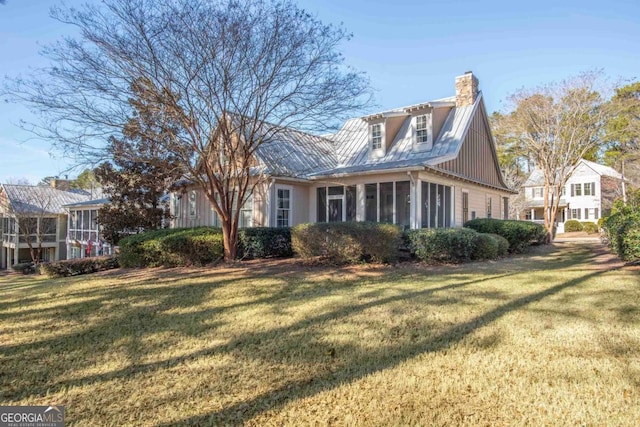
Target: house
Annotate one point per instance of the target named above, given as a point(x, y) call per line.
point(588, 194)
point(428, 165)
point(34, 215)
point(84, 234)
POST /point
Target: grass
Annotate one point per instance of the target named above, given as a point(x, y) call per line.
point(549, 338)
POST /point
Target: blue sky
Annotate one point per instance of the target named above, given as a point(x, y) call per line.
point(411, 51)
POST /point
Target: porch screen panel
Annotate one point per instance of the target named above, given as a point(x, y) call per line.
point(434, 204)
point(425, 204)
point(403, 212)
point(351, 201)
point(386, 202)
point(446, 206)
point(322, 204)
point(437, 202)
point(371, 202)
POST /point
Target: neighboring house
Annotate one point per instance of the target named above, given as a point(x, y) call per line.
point(587, 196)
point(84, 235)
point(34, 214)
point(427, 165)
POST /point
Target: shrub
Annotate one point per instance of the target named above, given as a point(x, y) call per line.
point(489, 246)
point(519, 234)
point(601, 222)
point(590, 227)
point(172, 247)
point(572, 225)
point(74, 267)
point(347, 242)
point(24, 267)
point(264, 242)
point(443, 244)
point(623, 231)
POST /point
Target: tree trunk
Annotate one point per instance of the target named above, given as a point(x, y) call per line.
point(230, 241)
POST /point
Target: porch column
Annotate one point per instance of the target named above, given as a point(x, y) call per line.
point(533, 214)
point(3, 258)
point(16, 253)
point(360, 202)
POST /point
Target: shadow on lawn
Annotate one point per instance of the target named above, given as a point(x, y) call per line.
point(360, 367)
point(131, 323)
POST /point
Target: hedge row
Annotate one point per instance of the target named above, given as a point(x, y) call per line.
point(337, 243)
point(264, 242)
point(519, 234)
point(74, 267)
point(455, 245)
point(200, 246)
point(172, 247)
point(347, 242)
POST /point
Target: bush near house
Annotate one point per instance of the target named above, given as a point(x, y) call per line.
point(264, 242)
point(172, 247)
point(490, 246)
point(74, 267)
point(573, 225)
point(519, 234)
point(455, 245)
point(590, 227)
point(347, 242)
point(450, 245)
point(623, 232)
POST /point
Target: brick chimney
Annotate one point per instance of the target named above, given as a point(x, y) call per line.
point(466, 89)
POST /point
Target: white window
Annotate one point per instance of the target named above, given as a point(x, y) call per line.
point(283, 206)
point(422, 130)
point(376, 136)
point(246, 213)
point(575, 213)
point(537, 192)
point(589, 188)
point(576, 190)
point(176, 206)
point(192, 204)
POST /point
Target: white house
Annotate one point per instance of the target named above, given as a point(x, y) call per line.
point(587, 196)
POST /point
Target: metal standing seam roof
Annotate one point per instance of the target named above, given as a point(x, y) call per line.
point(40, 199)
point(293, 153)
point(352, 145)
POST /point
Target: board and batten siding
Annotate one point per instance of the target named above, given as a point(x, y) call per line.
point(476, 160)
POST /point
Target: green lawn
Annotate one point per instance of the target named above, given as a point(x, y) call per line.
point(549, 338)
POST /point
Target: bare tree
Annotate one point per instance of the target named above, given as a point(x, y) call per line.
point(557, 125)
point(232, 75)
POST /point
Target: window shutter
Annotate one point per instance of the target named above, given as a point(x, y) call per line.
point(596, 214)
point(573, 193)
point(586, 213)
point(593, 188)
point(533, 192)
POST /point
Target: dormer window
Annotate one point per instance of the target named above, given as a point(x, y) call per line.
point(422, 130)
point(376, 136)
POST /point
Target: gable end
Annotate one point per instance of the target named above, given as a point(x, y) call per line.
point(477, 159)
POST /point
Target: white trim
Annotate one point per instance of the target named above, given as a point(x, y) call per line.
point(290, 189)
